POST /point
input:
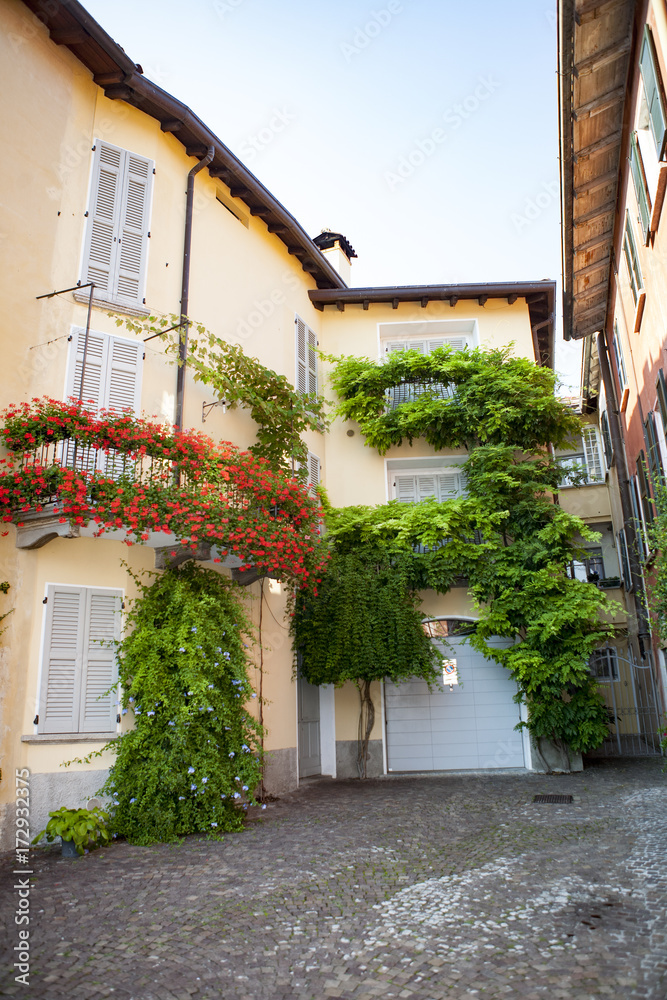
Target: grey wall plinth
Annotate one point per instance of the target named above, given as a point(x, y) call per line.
point(549, 757)
point(281, 773)
point(346, 759)
point(49, 792)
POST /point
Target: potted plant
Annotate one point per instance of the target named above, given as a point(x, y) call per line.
point(79, 830)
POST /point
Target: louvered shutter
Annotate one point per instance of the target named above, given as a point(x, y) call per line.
point(313, 479)
point(455, 343)
point(133, 228)
point(306, 358)
point(123, 381)
point(99, 672)
point(93, 390)
point(92, 393)
point(449, 485)
point(101, 240)
point(406, 488)
point(395, 345)
point(648, 65)
point(659, 423)
point(644, 490)
point(595, 471)
point(653, 450)
point(637, 170)
point(62, 659)
point(426, 487)
point(606, 438)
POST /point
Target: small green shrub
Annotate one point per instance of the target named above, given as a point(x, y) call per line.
point(87, 828)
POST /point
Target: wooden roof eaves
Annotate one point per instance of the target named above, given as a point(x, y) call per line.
point(122, 79)
point(540, 298)
point(570, 26)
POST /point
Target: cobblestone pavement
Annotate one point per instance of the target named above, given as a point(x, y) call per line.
point(409, 887)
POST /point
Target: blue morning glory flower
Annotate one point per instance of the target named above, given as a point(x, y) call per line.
point(253, 695)
point(204, 780)
point(245, 788)
point(170, 723)
point(191, 770)
point(150, 713)
point(198, 647)
point(245, 747)
point(194, 628)
point(181, 649)
point(232, 754)
point(124, 711)
point(193, 788)
point(237, 795)
point(211, 686)
point(132, 800)
point(209, 709)
point(214, 824)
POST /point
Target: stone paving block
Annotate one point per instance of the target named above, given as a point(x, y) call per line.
point(423, 888)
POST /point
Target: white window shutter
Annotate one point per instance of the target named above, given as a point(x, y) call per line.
point(456, 343)
point(93, 390)
point(395, 345)
point(426, 487)
point(312, 362)
point(101, 239)
point(449, 485)
point(592, 451)
point(133, 228)
point(313, 476)
point(62, 658)
point(123, 388)
point(98, 704)
point(301, 356)
point(406, 489)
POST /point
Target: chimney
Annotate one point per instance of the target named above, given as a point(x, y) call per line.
point(339, 251)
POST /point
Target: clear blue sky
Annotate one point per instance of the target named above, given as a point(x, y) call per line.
point(425, 131)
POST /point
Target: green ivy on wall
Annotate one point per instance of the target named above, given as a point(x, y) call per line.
point(505, 539)
point(191, 762)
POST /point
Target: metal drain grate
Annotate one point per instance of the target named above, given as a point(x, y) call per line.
point(564, 800)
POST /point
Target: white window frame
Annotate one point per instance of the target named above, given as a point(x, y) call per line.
point(81, 646)
point(120, 233)
point(585, 458)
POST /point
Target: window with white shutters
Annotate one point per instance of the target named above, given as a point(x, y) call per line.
point(427, 345)
point(116, 241)
point(442, 484)
point(111, 381)
point(112, 376)
point(79, 666)
point(306, 358)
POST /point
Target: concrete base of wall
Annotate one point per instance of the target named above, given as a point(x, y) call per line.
point(346, 759)
point(548, 757)
point(49, 792)
point(281, 771)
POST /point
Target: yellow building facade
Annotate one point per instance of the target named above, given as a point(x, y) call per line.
point(94, 189)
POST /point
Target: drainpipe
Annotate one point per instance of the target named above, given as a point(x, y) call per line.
point(643, 630)
point(185, 285)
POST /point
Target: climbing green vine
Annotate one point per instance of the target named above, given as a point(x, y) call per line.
point(505, 538)
point(280, 412)
point(191, 763)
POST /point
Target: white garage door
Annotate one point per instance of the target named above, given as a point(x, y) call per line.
point(468, 726)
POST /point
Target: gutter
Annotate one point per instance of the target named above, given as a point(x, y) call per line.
point(565, 71)
point(185, 286)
